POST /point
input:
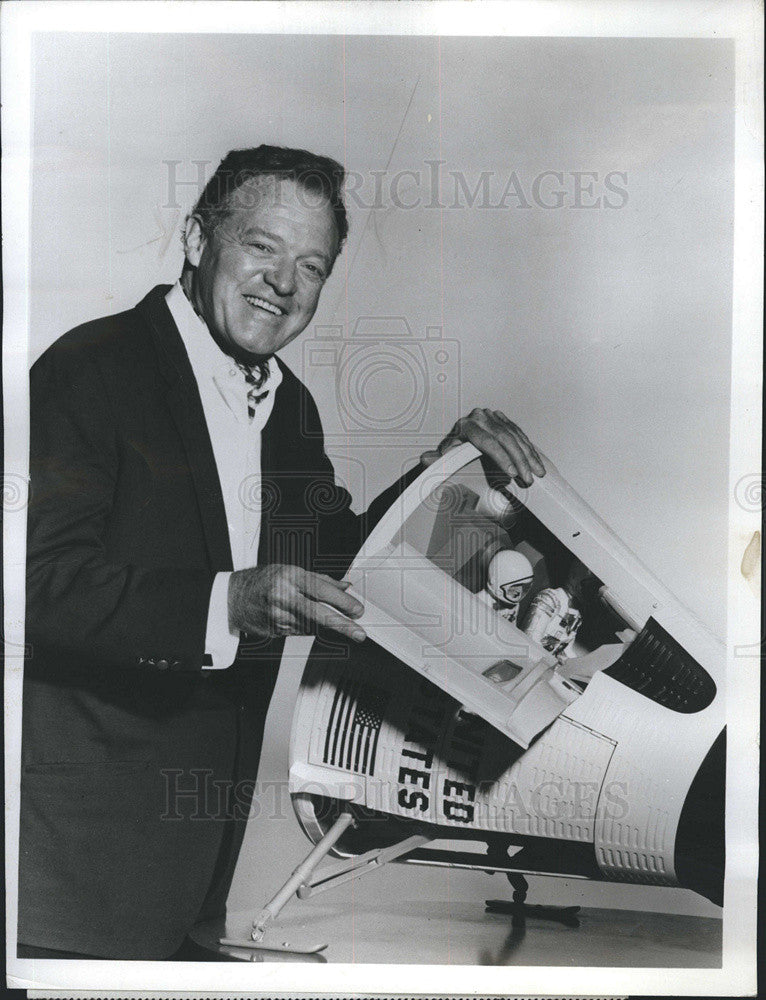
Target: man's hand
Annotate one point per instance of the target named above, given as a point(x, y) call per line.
point(497, 437)
point(287, 600)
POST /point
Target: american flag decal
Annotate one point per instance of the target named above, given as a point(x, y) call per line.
point(354, 726)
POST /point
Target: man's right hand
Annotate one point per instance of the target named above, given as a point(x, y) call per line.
point(287, 600)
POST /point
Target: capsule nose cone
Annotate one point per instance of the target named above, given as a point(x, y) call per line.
point(700, 849)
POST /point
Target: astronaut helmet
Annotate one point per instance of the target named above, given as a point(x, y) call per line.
point(509, 576)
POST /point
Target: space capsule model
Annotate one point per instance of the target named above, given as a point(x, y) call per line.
point(451, 737)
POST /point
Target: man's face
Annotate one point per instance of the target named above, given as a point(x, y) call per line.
point(258, 275)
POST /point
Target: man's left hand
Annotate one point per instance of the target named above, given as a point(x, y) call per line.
point(497, 437)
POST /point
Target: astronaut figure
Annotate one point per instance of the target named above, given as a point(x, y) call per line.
point(509, 577)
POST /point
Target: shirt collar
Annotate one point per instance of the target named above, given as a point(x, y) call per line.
point(205, 356)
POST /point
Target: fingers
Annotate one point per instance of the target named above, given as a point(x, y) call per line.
point(499, 442)
point(328, 591)
point(499, 439)
point(507, 458)
point(505, 444)
point(323, 596)
point(533, 456)
point(305, 601)
point(313, 615)
point(523, 454)
point(520, 466)
point(280, 600)
point(345, 584)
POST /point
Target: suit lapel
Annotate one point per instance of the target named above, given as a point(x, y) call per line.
point(185, 406)
point(272, 480)
point(285, 476)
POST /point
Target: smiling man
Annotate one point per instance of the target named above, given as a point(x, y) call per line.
point(174, 539)
point(256, 275)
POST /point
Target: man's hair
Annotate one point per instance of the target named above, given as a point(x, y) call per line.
point(317, 175)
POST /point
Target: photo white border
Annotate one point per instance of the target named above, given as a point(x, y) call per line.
point(738, 19)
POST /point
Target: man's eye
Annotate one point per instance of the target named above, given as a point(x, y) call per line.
point(260, 247)
point(314, 270)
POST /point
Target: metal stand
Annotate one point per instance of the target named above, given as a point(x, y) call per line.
point(300, 883)
point(361, 865)
point(520, 909)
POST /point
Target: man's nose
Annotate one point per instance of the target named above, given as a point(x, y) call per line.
point(280, 275)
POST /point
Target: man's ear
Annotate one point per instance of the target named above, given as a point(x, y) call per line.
point(194, 240)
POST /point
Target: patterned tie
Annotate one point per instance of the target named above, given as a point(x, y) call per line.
point(255, 376)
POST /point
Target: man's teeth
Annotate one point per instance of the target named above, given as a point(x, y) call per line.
point(254, 300)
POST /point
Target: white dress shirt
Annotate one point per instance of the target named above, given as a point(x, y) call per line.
point(236, 441)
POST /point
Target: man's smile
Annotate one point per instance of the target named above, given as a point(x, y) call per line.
point(256, 278)
point(258, 303)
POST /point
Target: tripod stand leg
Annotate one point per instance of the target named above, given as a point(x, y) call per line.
point(520, 909)
point(301, 874)
point(520, 888)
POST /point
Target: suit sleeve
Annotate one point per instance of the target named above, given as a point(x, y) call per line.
point(103, 613)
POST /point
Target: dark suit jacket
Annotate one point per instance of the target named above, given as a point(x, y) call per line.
point(126, 531)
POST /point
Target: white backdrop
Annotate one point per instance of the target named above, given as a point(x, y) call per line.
point(603, 331)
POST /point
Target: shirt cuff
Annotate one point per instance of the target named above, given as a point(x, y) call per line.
point(220, 642)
